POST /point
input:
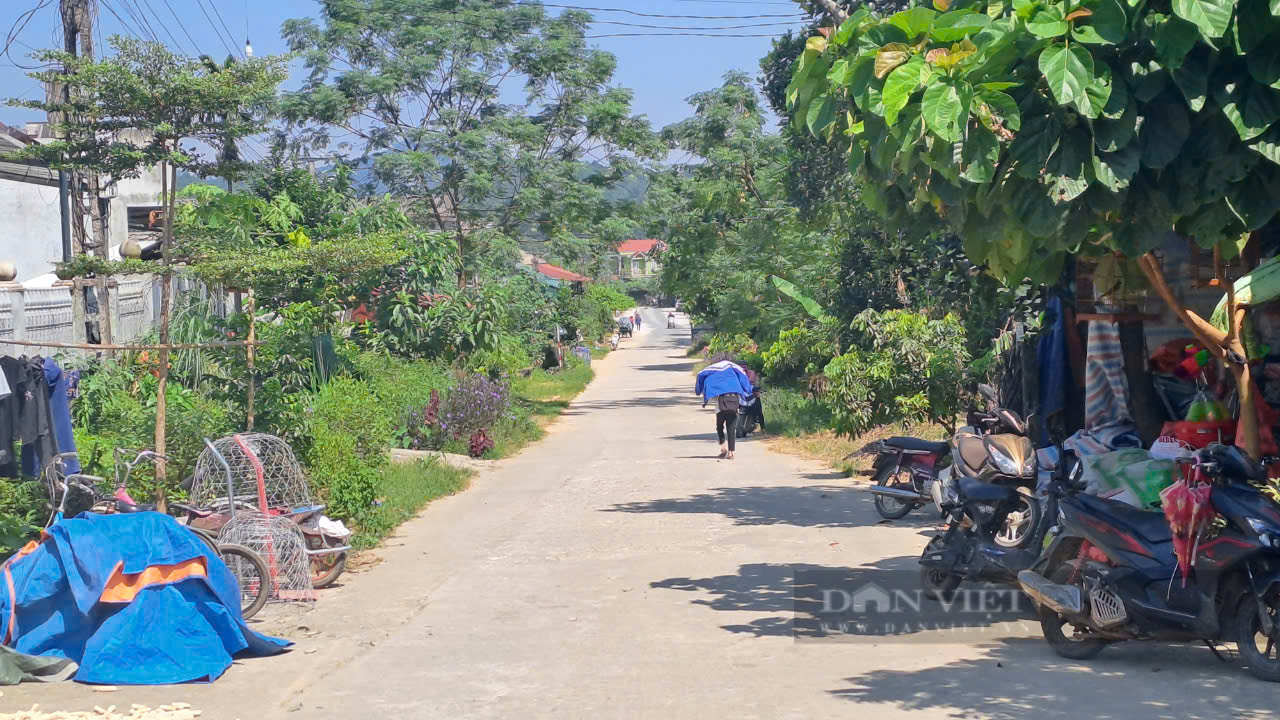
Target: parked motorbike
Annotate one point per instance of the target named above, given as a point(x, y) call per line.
point(995, 525)
point(1110, 573)
point(907, 470)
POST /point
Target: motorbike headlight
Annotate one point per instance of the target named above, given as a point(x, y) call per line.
point(1003, 462)
point(1268, 534)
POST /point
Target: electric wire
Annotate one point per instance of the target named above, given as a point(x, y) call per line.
point(676, 17)
point(163, 26)
point(194, 45)
point(213, 25)
point(223, 22)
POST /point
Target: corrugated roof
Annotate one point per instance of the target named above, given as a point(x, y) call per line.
point(559, 273)
point(639, 246)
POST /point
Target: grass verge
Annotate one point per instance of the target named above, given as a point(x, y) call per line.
point(407, 488)
point(799, 425)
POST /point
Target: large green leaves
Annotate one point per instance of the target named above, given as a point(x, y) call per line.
point(914, 21)
point(1068, 70)
point(1048, 23)
point(821, 114)
point(1107, 23)
point(901, 83)
point(946, 107)
point(811, 306)
point(1250, 107)
point(978, 155)
point(891, 56)
point(957, 25)
point(1212, 17)
point(1163, 135)
point(1256, 199)
point(1173, 39)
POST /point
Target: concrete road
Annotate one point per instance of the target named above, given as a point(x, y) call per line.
point(618, 569)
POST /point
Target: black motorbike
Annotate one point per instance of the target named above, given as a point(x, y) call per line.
point(1110, 573)
point(908, 472)
point(995, 523)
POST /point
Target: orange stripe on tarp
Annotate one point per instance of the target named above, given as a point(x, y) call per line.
point(124, 587)
point(27, 549)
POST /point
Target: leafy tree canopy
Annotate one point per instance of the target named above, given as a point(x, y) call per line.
point(165, 97)
point(482, 111)
point(1041, 128)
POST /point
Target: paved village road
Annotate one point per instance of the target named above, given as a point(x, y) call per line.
point(618, 569)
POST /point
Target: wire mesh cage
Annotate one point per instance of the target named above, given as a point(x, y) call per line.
point(282, 546)
point(259, 468)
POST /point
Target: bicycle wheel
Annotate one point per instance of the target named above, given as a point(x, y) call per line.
point(251, 574)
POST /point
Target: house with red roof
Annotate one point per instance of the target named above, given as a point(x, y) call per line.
point(637, 258)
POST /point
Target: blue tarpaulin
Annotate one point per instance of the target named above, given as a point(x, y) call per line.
point(67, 592)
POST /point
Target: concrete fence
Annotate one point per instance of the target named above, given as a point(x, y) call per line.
point(55, 314)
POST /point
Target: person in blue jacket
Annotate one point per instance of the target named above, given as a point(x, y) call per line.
point(728, 383)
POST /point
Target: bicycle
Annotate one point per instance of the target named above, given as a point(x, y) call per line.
point(248, 567)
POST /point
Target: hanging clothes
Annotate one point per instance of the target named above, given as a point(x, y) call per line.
point(1055, 371)
point(1106, 390)
point(35, 424)
point(11, 370)
point(60, 411)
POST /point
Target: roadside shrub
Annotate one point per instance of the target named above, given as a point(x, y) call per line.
point(350, 434)
point(474, 403)
point(905, 368)
point(799, 352)
point(511, 357)
point(733, 345)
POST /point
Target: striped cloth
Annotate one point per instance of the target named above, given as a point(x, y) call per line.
point(1106, 391)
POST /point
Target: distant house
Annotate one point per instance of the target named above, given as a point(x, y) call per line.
point(636, 259)
point(547, 273)
point(32, 236)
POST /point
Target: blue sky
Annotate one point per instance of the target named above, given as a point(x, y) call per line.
point(662, 71)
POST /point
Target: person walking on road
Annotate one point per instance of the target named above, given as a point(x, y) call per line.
point(637, 319)
point(727, 382)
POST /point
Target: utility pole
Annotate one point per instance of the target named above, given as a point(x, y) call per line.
point(77, 40)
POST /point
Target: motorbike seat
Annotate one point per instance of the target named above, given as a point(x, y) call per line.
point(124, 507)
point(1150, 524)
point(911, 444)
point(974, 491)
point(191, 510)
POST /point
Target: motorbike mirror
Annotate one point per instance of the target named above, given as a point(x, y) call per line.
point(988, 392)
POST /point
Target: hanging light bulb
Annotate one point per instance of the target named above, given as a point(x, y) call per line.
point(248, 49)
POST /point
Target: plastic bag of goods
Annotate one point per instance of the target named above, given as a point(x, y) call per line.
point(1129, 476)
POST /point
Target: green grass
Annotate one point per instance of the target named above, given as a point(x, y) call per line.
point(405, 490)
point(788, 412)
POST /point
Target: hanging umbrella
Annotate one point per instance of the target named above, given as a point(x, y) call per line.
point(1188, 509)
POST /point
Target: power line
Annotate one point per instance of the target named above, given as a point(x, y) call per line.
point(215, 27)
point(679, 17)
point(194, 45)
point(218, 12)
point(688, 34)
point(16, 29)
point(127, 27)
point(145, 31)
point(176, 45)
point(678, 27)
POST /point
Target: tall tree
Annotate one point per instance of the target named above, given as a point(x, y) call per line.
point(165, 100)
point(482, 111)
point(1045, 128)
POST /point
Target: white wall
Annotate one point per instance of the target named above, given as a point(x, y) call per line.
point(30, 227)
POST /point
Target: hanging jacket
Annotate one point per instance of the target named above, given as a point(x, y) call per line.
point(35, 426)
point(9, 415)
point(60, 411)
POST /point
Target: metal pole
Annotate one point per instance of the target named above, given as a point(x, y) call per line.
point(64, 203)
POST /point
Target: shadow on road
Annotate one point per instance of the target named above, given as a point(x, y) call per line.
point(799, 505)
point(881, 602)
point(1019, 678)
point(803, 506)
point(667, 367)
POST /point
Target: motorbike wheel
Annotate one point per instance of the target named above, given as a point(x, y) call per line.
point(937, 584)
point(888, 507)
point(1261, 653)
point(1081, 644)
point(325, 569)
point(251, 573)
point(1020, 523)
